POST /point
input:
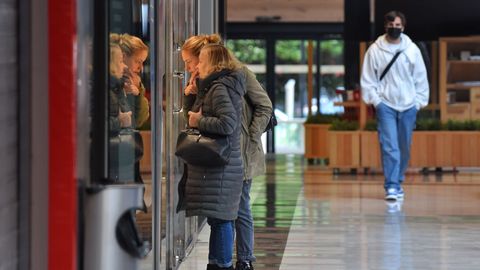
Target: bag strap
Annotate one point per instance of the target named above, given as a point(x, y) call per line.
point(390, 65)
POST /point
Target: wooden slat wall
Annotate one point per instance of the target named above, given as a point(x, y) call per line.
point(288, 10)
point(8, 136)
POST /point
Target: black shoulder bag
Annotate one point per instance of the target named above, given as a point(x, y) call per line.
point(206, 150)
point(390, 64)
point(203, 150)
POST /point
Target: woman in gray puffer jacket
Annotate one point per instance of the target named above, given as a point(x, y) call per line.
point(214, 192)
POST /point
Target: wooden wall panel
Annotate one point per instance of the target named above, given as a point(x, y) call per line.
point(288, 10)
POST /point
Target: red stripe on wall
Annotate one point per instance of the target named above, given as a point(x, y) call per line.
point(62, 210)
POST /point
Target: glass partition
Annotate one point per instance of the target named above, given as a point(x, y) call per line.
point(291, 87)
point(137, 78)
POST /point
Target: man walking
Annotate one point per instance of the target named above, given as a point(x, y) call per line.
point(394, 80)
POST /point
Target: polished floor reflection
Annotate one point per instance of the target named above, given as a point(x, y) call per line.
point(307, 218)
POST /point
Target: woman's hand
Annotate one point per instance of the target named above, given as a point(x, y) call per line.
point(132, 82)
point(135, 79)
point(194, 117)
point(131, 89)
point(125, 119)
point(192, 89)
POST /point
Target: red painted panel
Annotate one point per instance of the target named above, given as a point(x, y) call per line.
point(62, 212)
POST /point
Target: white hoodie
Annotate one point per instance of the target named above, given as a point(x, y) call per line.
point(405, 85)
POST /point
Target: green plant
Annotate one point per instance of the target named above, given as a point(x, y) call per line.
point(455, 125)
point(344, 125)
point(321, 119)
point(452, 125)
point(428, 124)
point(371, 125)
point(471, 125)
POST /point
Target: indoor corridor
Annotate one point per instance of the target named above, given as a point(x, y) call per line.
point(307, 218)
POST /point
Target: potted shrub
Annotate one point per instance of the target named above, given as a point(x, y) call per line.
point(316, 136)
point(434, 144)
point(450, 144)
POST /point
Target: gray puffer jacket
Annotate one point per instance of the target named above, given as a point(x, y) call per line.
point(215, 191)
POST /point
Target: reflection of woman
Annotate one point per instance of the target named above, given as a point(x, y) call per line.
point(215, 192)
point(119, 111)
point(121, 162)
point(135, 53)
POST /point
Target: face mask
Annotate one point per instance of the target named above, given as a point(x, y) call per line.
point(394, 32)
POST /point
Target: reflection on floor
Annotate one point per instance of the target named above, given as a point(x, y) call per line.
point(307, 218)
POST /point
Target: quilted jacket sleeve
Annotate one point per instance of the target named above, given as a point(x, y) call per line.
point(222, 117)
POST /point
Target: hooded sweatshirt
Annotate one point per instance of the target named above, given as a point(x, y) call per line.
point(405, 85)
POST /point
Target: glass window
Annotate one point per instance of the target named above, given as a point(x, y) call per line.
point(291, 87)
point(252, 52)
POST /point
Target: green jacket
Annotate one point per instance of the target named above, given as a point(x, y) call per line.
point(139, 106)
point(257, 109)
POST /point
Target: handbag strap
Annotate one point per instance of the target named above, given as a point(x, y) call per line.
point(390, 65)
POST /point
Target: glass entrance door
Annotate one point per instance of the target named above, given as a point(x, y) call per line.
point(180, 231)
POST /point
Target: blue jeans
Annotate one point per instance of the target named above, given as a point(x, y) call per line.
point(220, 246)
point(244, 226)
point(395, 136)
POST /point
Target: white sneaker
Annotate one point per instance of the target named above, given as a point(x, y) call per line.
point(391, 194)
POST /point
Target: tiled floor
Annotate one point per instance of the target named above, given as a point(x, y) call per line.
point(307, 218)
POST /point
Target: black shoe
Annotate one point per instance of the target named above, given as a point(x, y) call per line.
point(244, 266)
point(216, 267)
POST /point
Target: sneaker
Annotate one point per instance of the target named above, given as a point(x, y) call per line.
point(400, 194)
point(243, 266)
point(391, 194)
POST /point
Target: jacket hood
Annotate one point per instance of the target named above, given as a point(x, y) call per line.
point(384, 45)
point(233, 79)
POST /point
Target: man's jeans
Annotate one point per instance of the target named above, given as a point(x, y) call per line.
point(244, 226)
point(395, 136)
point(221, 242)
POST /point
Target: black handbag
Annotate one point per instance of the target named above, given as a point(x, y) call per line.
point(203, 150)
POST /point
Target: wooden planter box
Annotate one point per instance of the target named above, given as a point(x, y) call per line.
point(370, 156)
point(316, 140)
point(429, 149)
point(344, 149)
point(445, 149)
point(146, 161)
